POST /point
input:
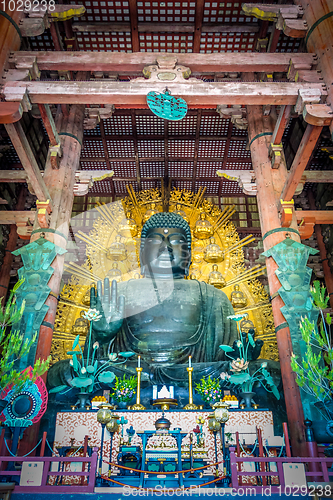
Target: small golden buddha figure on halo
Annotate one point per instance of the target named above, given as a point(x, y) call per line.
point(151, 211)
point(127, 227)
point(237, 298)
point(197, 252)
point(114, 273)
point(203, 228)
point(195, 271)
point(117, 251)
point(246, 325)
point(81, 325)
point(215, 278)
point(180, 212)
point(213, 252)
point(86, 298)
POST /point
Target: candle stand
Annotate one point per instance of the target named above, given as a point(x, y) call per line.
point(138, 406)
point(190, 405)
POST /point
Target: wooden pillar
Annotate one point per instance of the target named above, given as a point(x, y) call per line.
point(269, 184)
point(9, 33)
point(10, 247)
point(60, 184)
point(318, 16)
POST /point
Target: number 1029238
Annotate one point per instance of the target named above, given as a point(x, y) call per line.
point(28, 5)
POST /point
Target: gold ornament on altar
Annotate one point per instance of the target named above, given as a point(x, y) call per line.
point(125, 219)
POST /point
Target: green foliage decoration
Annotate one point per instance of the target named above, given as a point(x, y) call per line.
point(314, 376)
point(13, 346)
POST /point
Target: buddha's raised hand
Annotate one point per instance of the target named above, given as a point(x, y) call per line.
point(110, 306)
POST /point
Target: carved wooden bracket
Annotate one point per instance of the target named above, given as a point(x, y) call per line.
point(288, 18)
point(307, 96)
point(319, 115)
point(245, 178)
point(84, 179)
point(43, 211)
point(95, 113)
point(166, 69)
point(236, 113)
point(287, 212)
point(276, 154)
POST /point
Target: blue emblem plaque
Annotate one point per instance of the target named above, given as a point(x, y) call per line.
point(166, 106)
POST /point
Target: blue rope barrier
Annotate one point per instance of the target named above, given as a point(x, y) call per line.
point(27, 454)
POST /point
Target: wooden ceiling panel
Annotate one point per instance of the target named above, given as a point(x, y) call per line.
point(227, 42)
point(166, 42)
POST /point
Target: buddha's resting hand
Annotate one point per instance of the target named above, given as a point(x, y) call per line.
point(111, 308)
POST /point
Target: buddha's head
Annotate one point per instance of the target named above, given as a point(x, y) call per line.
point(165, 246)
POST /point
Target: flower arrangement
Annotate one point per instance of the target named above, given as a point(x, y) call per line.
point(124, 389)
point(313, 375)
point(209, 389)
point(240, 367)
point(87, 371)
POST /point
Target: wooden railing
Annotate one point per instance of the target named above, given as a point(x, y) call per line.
point(319, 473)
point(60, 473)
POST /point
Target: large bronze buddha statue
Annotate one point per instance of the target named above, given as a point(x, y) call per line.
point(163, 317)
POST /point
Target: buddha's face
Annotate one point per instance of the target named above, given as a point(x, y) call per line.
point(165, 253)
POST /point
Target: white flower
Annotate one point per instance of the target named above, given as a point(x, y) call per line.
point(83, 370)
point(239, 343)
point(92, 315)
point(225, 376)
point(264, 365)
point(96, 345)
point(113, 356)
point(71, 362)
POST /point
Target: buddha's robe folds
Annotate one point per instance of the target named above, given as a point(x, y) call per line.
point(166, 321)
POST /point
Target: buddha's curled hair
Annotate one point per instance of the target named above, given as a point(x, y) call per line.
point(166, 220)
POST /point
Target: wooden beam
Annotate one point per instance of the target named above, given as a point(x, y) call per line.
point(10, 112)
point(24, 152)
point(199, 12)
point(302, 157)
point(49, 124)
point(318, 176)
point(104, 27)
point(134, 25)
point(282, 122)
point(13, 176)
point(134, 92)
point(17, 216)
point(121, 62)
point(320, 216)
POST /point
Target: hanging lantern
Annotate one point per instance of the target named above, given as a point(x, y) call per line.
point(166, 106)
